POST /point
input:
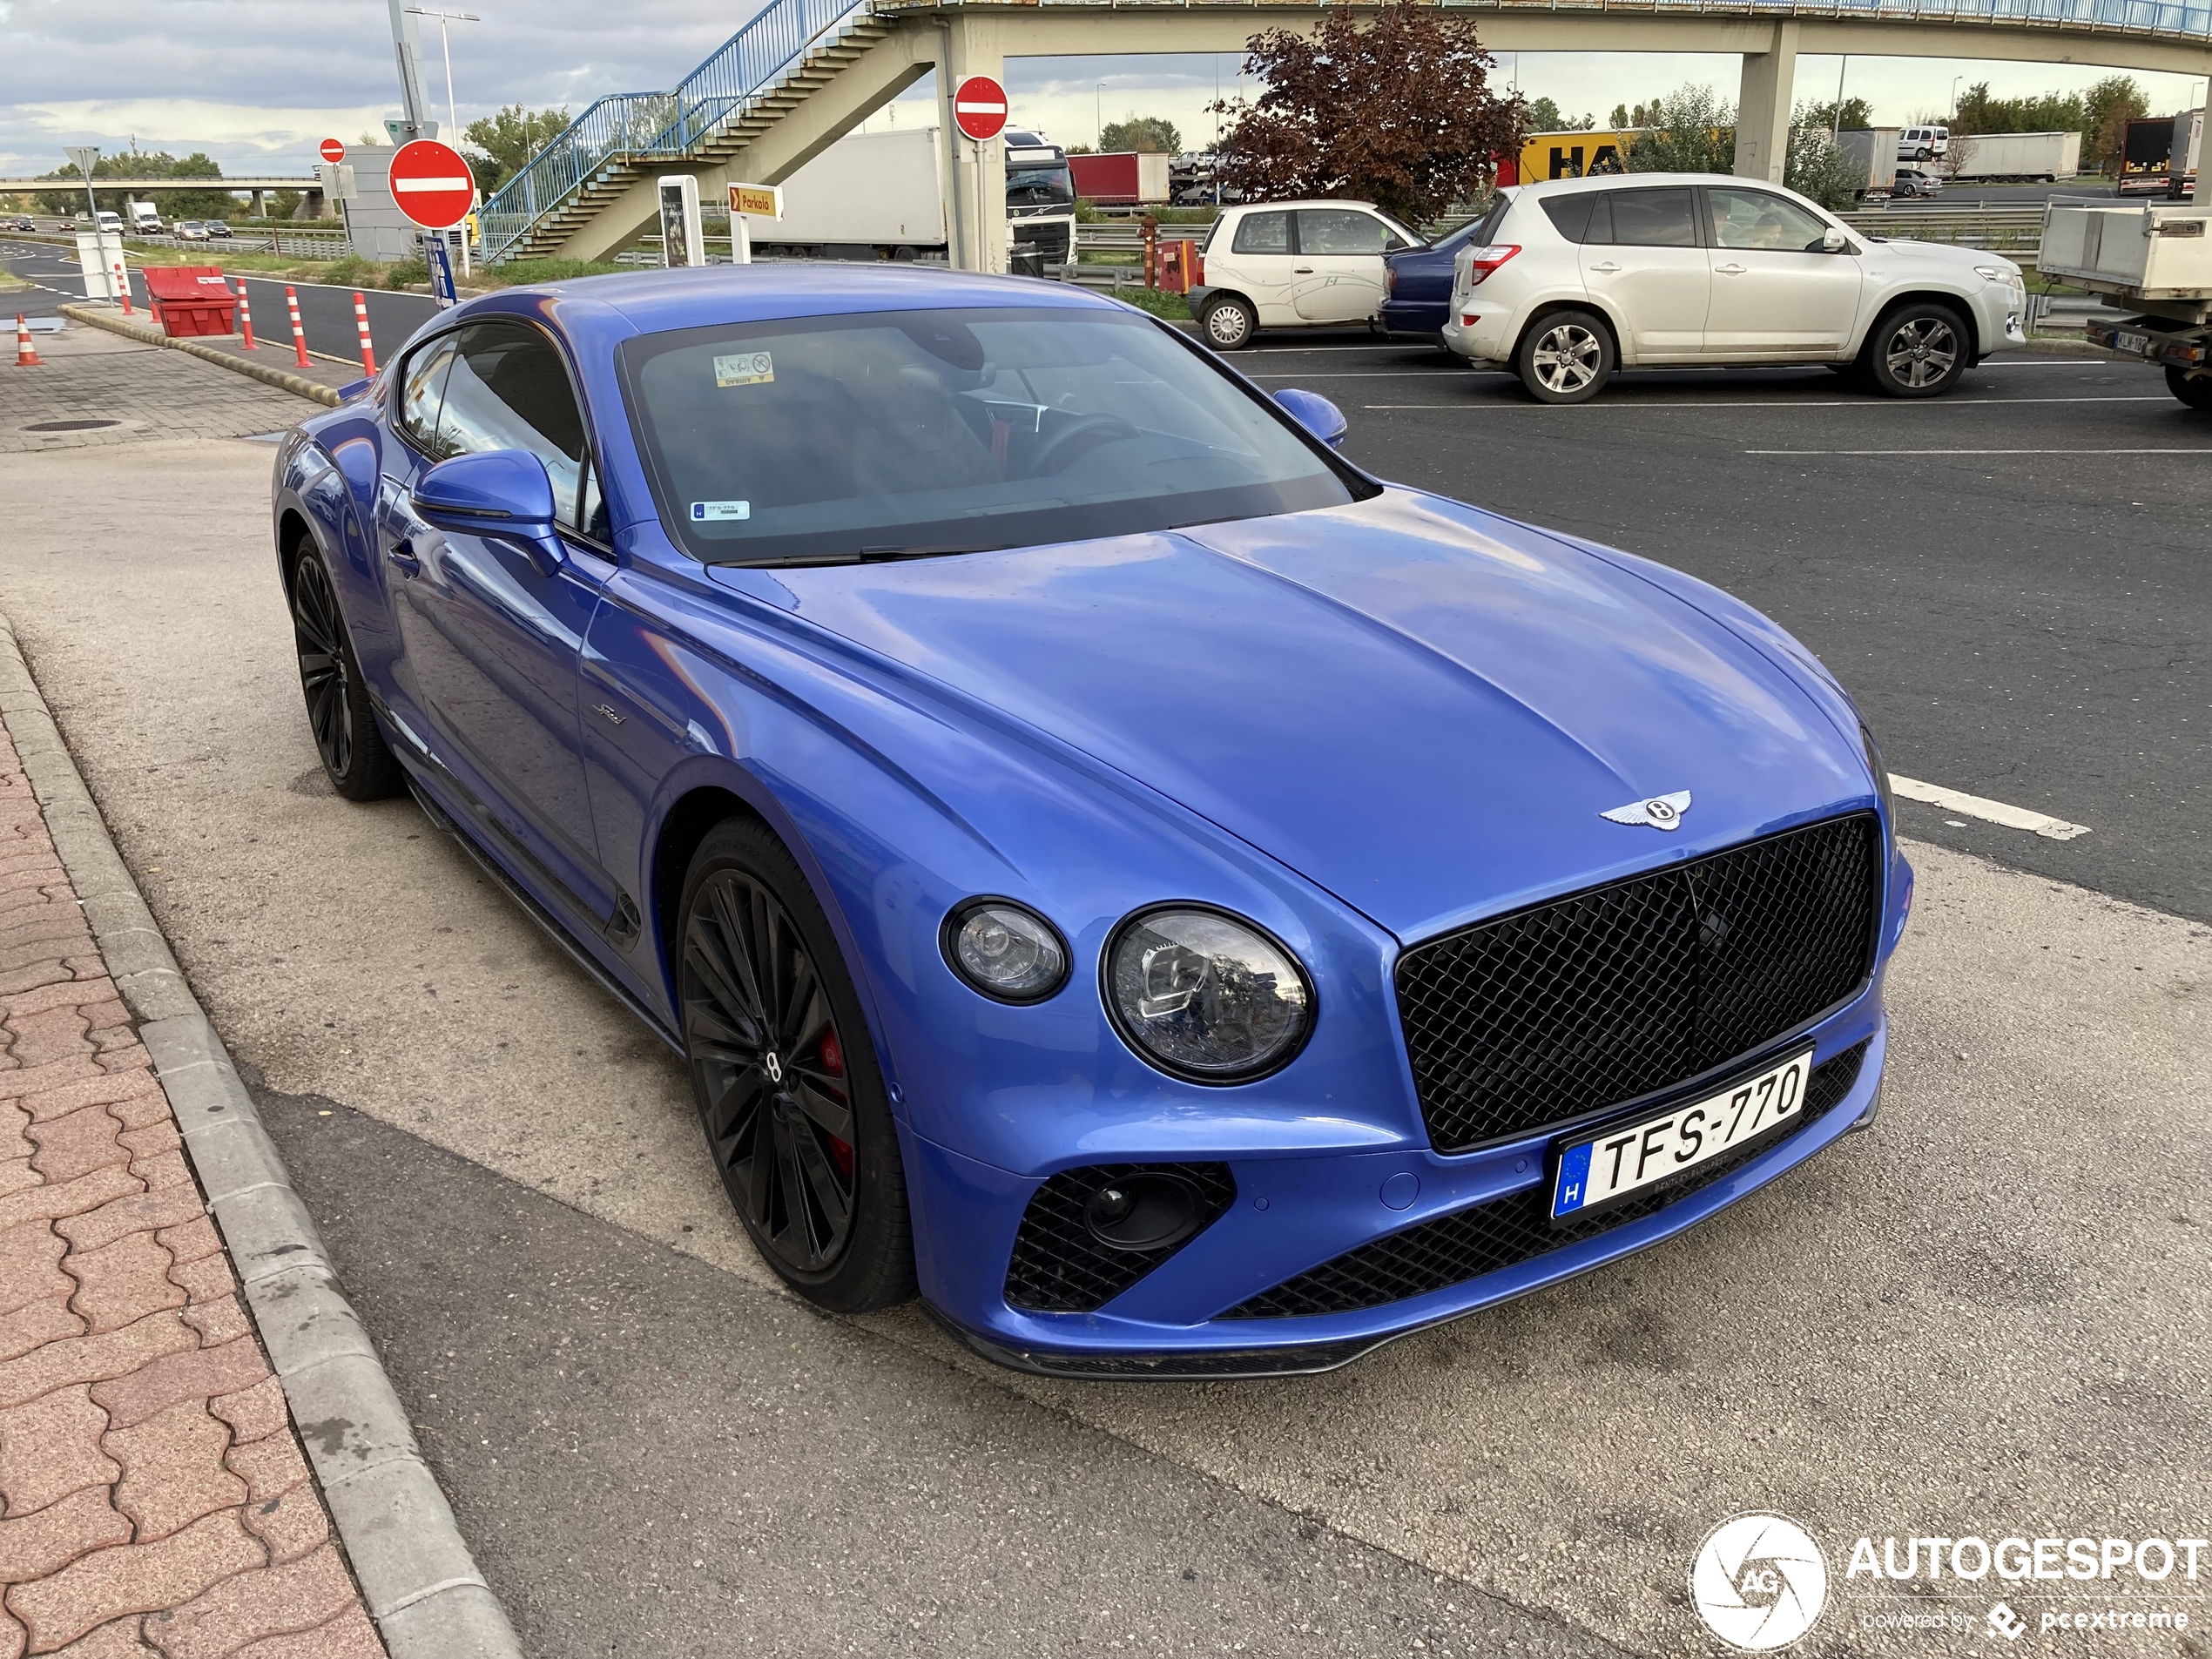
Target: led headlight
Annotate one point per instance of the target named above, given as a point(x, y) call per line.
point(1205, 996)
point(1005, 951)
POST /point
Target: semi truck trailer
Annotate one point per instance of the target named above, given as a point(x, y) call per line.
point(1122, 178)
point(2029, 156)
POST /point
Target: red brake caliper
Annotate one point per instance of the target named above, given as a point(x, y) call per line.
point(833, 1064)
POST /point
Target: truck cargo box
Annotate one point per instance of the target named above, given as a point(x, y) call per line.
point(2152, 254)
point(869, 190)
point(1122, 179)
point(2050, 156)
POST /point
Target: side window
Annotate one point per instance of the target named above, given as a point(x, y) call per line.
point(1341, 229)
point(1570, 215)
point(1263, 234)
point(422, 388)
point(1664, 217)
point(508, 390)
point(1751, 218)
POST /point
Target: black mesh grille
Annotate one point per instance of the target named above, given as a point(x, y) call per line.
point(1587, 1002)
point(1058, 1267)
point(1469, 1242)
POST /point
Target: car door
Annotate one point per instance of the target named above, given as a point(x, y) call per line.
point(1641, 255)
point(1338, 273)
point(491, 630)
point(1260, 258)
point(1777, 291)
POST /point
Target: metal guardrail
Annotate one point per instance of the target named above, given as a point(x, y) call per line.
point(2003, 229)
point(637, 127)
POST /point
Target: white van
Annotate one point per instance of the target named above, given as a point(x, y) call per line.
point(1923, 144)
point(104, 220)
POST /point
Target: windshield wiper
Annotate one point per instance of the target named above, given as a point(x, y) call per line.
point(883, 555)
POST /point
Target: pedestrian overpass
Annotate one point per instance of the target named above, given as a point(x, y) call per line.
point(803, 73)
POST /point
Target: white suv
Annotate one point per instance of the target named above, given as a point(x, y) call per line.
point(1294, 265)
point(1565, 281)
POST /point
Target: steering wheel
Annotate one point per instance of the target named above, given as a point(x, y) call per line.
point(1078, 438)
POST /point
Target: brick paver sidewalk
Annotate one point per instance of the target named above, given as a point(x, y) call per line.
point(153, 1498)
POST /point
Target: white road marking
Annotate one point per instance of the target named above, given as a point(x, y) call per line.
point(1632, 405)
point(1993, 811)
point(2199, 450)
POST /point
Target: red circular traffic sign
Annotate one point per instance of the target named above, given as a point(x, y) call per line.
point(333, 150)
point(432, 184)
point(979, 108)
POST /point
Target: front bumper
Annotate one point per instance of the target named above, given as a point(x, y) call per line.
point(1293, 1214)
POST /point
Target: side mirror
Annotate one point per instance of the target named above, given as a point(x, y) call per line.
point(494, 492)
point(1316, 414)
point(1834, 241)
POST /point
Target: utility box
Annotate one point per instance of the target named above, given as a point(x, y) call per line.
point(190, 300)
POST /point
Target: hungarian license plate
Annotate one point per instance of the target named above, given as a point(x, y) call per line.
point(2123, 341)
point(1596, 1173)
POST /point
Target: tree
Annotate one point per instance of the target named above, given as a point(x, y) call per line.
point(1149, 135)
point(2107, 108)
point(1857, 115)
point(1399, 113)
point(501, 145)
point(1979, 111)
point(1816, 165)
point(1956, 156)
point(1691, 130)
point(1544, 115)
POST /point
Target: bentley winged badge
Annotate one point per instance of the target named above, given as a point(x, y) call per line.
point(1661, 811)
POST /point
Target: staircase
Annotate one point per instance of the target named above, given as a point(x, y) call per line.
point(758, 74)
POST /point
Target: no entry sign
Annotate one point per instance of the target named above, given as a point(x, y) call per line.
point(432, 184)
point(979, 108)
point(333, 150)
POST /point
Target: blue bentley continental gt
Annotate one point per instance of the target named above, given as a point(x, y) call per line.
point(1184, 906)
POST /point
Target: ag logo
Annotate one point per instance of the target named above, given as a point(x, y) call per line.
point(1758, 1582)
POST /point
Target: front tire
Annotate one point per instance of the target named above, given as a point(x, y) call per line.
point(1230, 324)
point(784, 1076)
point(351, 748)
point(1566, 358)
point(1919, 350)
point(2194, 390)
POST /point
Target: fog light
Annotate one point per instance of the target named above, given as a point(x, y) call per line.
point(1147, 1211)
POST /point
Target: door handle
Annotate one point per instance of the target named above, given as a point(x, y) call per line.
point(1730, 270)
point(1606, 269)
point(402, 553)
point(1302, 270)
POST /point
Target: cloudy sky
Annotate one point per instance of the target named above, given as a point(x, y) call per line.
point(257, 83)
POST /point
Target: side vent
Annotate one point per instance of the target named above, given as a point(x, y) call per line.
point(621, 931)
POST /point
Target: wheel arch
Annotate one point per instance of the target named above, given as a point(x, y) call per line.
point(1544, 309)
point(1957, 304)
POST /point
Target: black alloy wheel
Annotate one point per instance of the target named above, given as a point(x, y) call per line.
point(784, 1076)
point(1919, 350)
point(353, 751)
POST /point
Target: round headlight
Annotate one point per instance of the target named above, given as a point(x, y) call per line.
point(1005, 951)
point(1204, 995)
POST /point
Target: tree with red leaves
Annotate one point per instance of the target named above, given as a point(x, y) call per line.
point(1399, 113)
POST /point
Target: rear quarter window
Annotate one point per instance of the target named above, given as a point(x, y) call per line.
point(1262, 233)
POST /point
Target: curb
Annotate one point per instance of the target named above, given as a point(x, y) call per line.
point(298, 385)
point(416, 1574)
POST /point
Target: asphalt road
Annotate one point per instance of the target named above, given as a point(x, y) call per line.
point(2011, 580)
point(1988, 1316)
point(325, 312)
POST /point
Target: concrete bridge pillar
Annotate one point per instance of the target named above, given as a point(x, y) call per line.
point(257, 205)
point(975, 200)
point(1762, 106)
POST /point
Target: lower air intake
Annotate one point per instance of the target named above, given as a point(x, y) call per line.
point(1090, 1234)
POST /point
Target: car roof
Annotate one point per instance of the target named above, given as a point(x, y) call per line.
point(654, 301)
point(1315, 201)
point(1616, 180)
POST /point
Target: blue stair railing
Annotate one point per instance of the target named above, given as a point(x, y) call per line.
point(658, 128)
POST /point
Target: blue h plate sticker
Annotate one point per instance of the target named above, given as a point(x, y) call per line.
point(1624, 1159)
point(710, 512)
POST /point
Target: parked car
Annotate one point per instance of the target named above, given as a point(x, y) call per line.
point(1294, 265)
point(1923, 144)
point(1910, 181)
point(1578, 277)
point(190, 230)
point(1418, 281)
point(770, 632)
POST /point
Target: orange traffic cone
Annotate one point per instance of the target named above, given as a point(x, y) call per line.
point(26, 355)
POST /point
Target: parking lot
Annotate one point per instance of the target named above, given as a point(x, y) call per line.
point(1983, 1316)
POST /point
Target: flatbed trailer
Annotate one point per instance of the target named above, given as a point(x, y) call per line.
point(2155, 261)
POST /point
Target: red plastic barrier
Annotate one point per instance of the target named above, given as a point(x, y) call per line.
point(190, 300)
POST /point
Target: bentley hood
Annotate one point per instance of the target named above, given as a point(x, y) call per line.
point(1420, 707)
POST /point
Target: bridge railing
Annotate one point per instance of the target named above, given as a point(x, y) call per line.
point(659, 126)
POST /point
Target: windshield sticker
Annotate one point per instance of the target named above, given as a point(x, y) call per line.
point(707, 512)
point(745, 368)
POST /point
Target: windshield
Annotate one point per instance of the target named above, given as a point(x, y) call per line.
point(898, 434)
point(1037, 186)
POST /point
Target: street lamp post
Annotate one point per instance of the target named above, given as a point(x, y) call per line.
point(453, 118)
point(1955, 80)
point(1098, 112)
